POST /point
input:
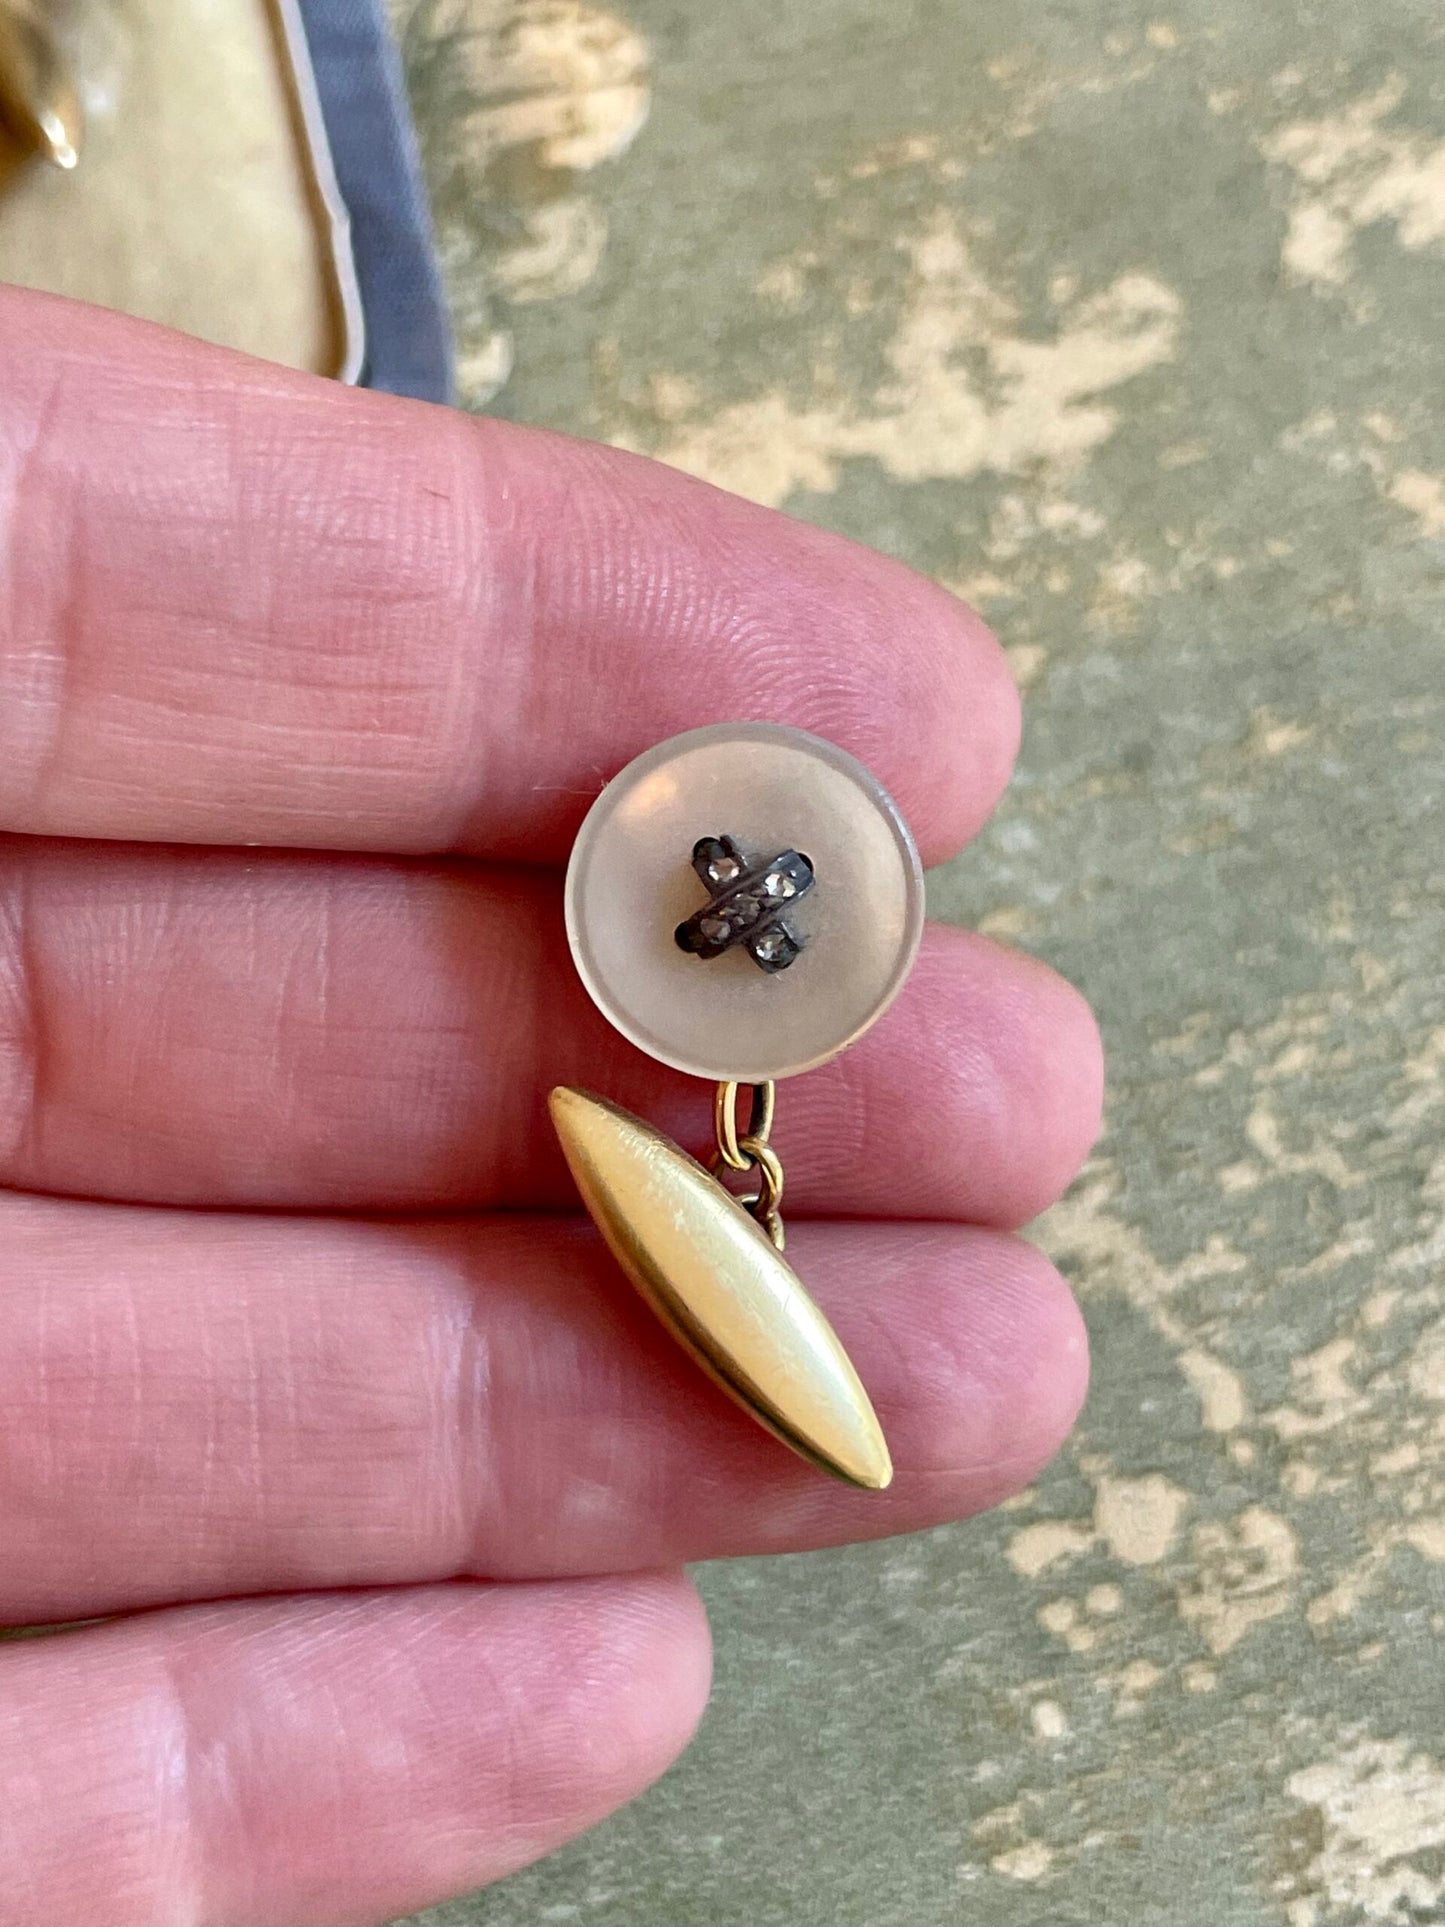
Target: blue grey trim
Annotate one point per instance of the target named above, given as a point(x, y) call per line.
point(374, 152)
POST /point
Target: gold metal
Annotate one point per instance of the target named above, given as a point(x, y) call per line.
point(716, 1281)
point(765, 1204)
point(39, 107)
point(750, 1152)
point(725, 1121)
point(206, 196)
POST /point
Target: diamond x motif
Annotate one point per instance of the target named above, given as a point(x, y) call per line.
point(747, 904)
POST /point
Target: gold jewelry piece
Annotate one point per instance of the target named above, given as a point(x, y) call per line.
point(39, 108)
point(812, 919)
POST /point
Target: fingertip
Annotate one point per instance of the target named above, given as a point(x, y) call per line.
point(336, 1759)
point(1000, 1382)
point(975, 714)
point(1060, 1088)
point(639, 1652)
point(673, 1658)
point(985, 1082)
point(1027, 1034)
point(755, 615)
point(1059, 1383)
point(1058, 1074)
point(930, 703)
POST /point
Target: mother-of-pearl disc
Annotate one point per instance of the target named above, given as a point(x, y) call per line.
point(631, 882)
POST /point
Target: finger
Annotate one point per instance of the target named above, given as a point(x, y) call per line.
point(206, 1028)
point(250, 606)
point(332, 1761)
point(193, 1405)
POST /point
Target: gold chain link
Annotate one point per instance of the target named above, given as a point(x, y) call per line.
point(749, 1151)
point(725, 1121)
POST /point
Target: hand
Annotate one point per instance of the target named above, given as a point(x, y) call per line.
point(303, 693)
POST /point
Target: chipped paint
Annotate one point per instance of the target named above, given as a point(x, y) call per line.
point(1039, 403)
point(1223, 1403)
point(1138, 1518)
point(1242, 1576)
point(1423, 495)
point(1037, 1547)
point(1381, 1810)
point(1031, 1861)
point(1352, 167)
point(539, 94)
point(1048, 1720)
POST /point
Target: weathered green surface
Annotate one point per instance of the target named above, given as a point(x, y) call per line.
point(1126, 322)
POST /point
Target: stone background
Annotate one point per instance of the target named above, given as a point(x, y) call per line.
point(1125, 321)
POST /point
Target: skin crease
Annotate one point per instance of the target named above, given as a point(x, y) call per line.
point(298, 1032)
point(518, 1411)
point(244, 607)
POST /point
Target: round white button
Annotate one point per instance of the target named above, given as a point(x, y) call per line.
point(803, 908)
